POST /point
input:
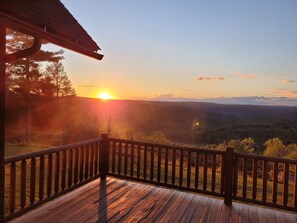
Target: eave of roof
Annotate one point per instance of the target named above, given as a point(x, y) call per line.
point(49, 20)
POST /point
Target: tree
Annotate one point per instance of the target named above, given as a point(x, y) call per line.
point(25, 73)
point(25, 77)
point(275, 147)
point(292, 151)
point(56, 78)
point(246, 145)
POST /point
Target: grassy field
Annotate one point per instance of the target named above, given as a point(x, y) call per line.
point(18, 149)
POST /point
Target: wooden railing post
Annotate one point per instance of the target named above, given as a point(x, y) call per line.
point(2, 117)
point(228, 159)
point(103, 156)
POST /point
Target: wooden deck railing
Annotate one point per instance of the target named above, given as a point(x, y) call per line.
point(35, 178)
point(190, 169)
point(249, 178)
point(263, 180)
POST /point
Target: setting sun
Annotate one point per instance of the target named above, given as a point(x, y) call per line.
point(104, 96)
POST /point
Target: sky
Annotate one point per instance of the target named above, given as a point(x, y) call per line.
point(188, 50)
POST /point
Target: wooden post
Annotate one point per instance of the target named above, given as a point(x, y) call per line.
point(103, 156)
point(2, 116)
point(228, 159)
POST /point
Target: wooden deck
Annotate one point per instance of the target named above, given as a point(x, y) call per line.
point(123, 201)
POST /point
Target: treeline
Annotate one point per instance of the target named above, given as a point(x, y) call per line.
point(168, 122)
point(272, 147)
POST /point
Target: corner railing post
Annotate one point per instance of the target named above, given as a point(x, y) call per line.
point(228, 159)
point(103, 156)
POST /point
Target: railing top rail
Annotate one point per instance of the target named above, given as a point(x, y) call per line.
point(17, 158)
point(192, 149)
point(267, 158)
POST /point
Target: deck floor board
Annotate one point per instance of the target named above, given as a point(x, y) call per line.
point(116, 200)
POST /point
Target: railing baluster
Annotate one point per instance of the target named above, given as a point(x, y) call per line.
point(275, 182)
point(159, 165)
point(49, 174)
point(23, 183)
point(32, 180)
point(81, 163)
point(213, 174)
point(132, 161)
point(166, 166)
point(120, 159)
point(222, 174)
point(113, 157)
point(152, 163)
point(264, 180)
point(96, 147)
point(255, 178)
point(244, 177)
point(181, 168)
point(189, 169)
point(41, 178)
point(63, 180)
point(126, 159)
point(70, 164)
point(91, 147)
point(286, 184)
point(173, 166)
point(138, 160)
point(57, 172)
point(205, 171)
point(145, 163)
point(75, 177)
point(12, 187)
point(87, 162)
point(295, 187)
point(197, 165)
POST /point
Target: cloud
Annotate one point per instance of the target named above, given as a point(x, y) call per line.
point(89, 86)
point(166, 96)
point(210, 78)
point(246, 76)
point(285, 92)
point(287, 81)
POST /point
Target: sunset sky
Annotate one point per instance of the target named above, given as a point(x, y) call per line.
point(180, 50)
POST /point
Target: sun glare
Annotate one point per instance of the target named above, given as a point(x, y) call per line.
point(104, 96)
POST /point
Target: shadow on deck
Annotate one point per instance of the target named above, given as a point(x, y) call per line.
point(116, 200)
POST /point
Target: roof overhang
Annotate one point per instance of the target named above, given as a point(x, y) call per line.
point(42, 19)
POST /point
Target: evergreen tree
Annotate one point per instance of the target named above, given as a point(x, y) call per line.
point(25, 73)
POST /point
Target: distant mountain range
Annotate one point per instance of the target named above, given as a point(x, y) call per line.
point(253, 100)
